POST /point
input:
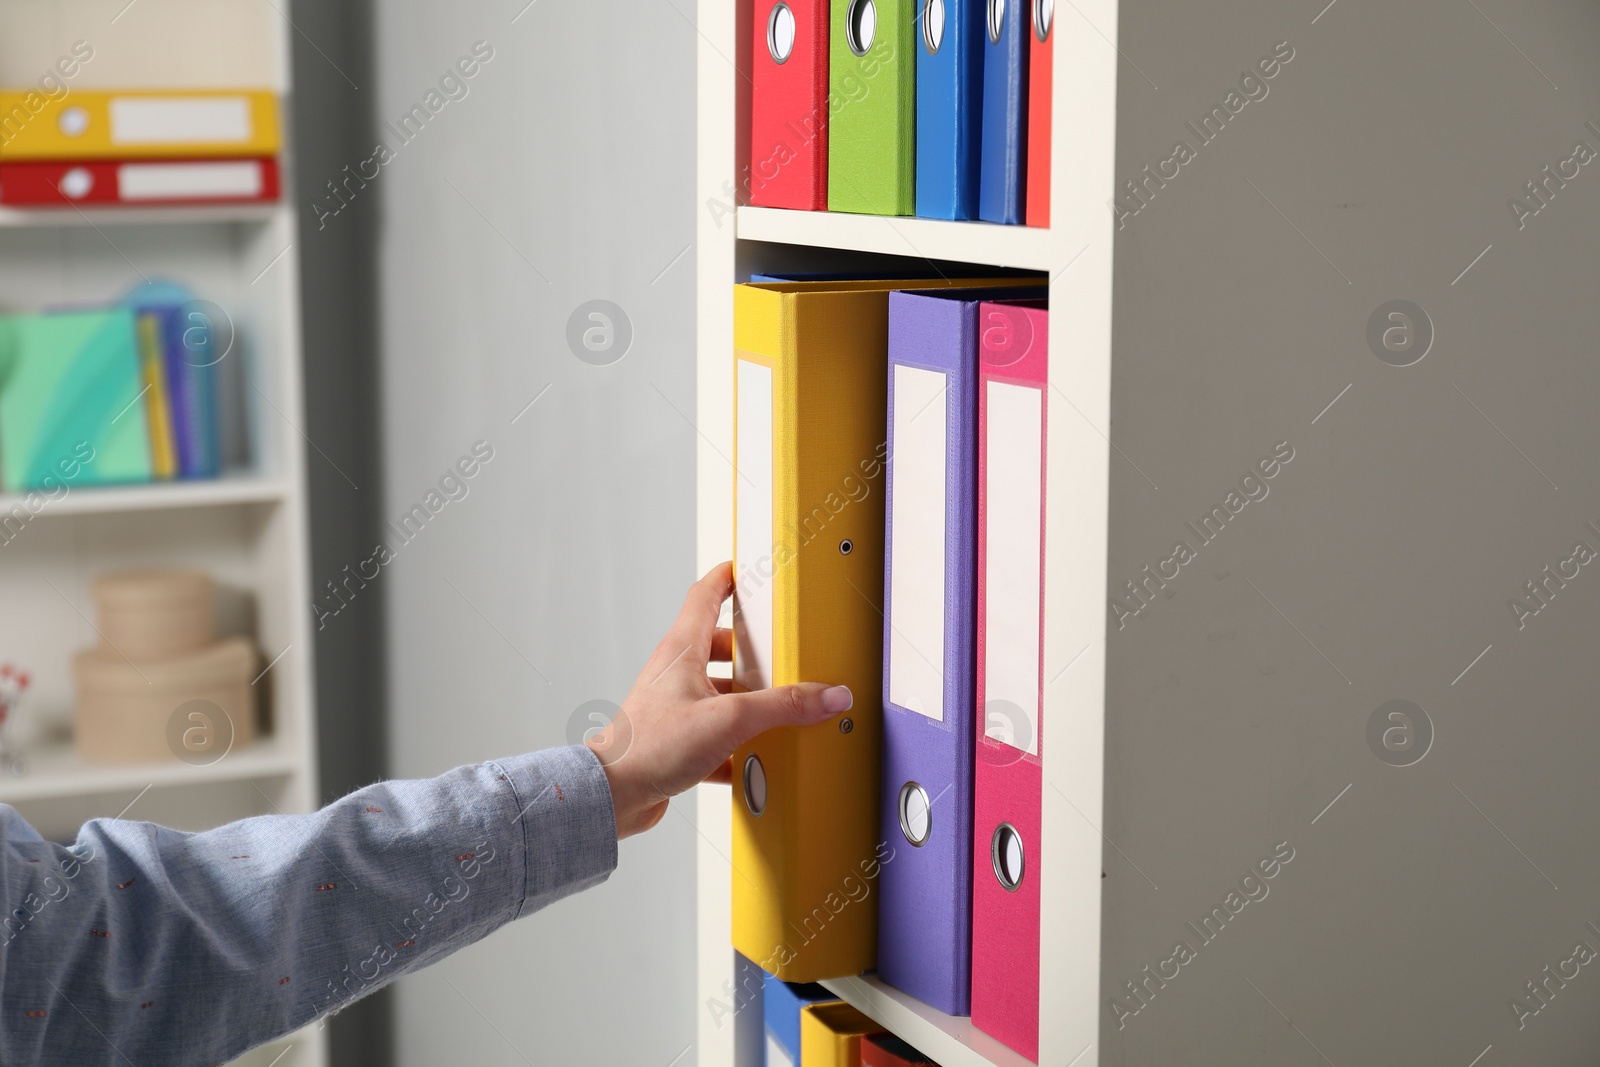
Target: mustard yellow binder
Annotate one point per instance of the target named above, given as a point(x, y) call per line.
point(157, 398)
point(141, 124)
point(810, 395)
point(830, 1035)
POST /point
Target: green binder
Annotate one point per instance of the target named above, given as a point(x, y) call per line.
point(68, 379)
point(872, 97)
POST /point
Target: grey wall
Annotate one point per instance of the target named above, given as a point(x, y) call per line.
point(563, 176)
point(1381, 561)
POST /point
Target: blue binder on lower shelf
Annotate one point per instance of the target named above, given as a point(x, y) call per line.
point(780, 1007)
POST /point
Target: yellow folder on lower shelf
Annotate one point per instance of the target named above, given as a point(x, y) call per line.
point(830, 1035)
point(810, 422)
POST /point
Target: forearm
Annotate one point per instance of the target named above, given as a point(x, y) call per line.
point(170, 947)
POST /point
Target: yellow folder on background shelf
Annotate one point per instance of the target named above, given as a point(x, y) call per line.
point(830, 1035)
point(140, 124)
point(810, 389)
point(152, 359)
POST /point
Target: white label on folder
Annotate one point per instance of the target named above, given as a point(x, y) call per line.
point(754, 567)
point(164, 120)
point(916, 542)
point(1011, 572)
point(189, 181)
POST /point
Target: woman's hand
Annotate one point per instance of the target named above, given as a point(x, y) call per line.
point(679, 726)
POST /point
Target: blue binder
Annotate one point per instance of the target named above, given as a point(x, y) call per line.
point(1005, 111)
point(949, 107)
point(780, 1007)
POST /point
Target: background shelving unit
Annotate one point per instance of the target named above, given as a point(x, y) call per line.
point(1076, 251)
point(248, 528)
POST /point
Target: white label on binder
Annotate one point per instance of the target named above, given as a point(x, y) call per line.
point(1011, 572)
point(754, 565)
point(916, 541)
point(169, 120)
point(189, 181)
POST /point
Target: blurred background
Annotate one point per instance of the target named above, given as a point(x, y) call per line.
point(483, 242)
point(442, 304)
point(403, 477)
point(485, 237)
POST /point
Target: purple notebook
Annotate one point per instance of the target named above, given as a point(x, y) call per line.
point(930, 603)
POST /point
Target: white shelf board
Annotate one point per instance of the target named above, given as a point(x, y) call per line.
point(948, 1040)
point(70, 215)
point(967, 242)
point(155, 496)
point(57, 771)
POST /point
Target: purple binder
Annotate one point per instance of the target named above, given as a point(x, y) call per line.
point(925, 910)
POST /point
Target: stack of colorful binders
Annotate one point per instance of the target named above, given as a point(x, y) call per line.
point(137, 148)
point(120, 394)
point(936, 108)
point(889, 535)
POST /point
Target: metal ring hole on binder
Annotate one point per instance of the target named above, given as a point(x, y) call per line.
point(77, 183)
point(916, 814)
point(861, 26)
point(997, 19)
point(846, 547)
point(1044, 13)
point(780, 32)
point(755, 785)
point(73, 121)
point(932, 25)
point(1005, 852)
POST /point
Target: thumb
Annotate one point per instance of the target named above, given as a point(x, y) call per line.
point(802, 704)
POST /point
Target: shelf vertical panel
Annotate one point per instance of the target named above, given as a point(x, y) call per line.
point(1077, 518)
point(298, 652)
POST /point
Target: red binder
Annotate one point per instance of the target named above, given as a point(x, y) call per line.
point(789, 105)
point(1040, 46)
point(887, 1050)
point(135, 182)
point(1012, 376)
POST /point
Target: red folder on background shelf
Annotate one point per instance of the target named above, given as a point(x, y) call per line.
point(788, 164)
point(1007, 780)
point(1040, 45)
point(138, 182)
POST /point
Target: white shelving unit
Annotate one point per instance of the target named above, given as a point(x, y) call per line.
point(1076, 251)
point(113, 216)
point(248, 528)
point(111, 499)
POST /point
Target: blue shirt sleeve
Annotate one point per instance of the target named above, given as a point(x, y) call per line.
point(139, 944)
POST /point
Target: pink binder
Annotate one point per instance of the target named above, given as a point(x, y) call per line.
point(1012, 376)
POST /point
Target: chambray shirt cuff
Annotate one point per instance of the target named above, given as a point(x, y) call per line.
point(569, 830)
